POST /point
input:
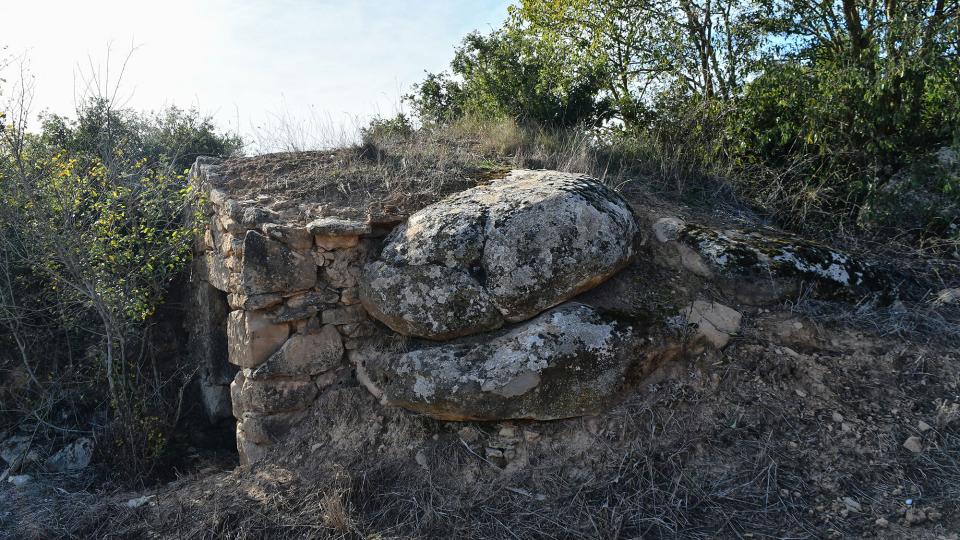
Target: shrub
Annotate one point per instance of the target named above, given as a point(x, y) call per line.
point(93, 232)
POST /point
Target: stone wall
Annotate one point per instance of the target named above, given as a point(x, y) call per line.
point(291, 317)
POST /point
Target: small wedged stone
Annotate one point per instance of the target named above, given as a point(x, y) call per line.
point(270, 266)
point(311, 352)
point(499, 252)
point(350, 296)
point(252, 337)
point(305, 305)
point(208, 242)
point(344, 315)
point(343, 267)
point(358, 330)
point(568, 361)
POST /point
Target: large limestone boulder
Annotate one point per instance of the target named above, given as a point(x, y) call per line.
point(502, 252)
point(567, 362)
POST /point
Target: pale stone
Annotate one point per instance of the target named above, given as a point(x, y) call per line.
point(254, 302)
point(667, 229)
point(225, 244)
point(715, 322)
point(231, 225)
point(218, 274)
point(252, 338)
point(249, 451)
point(308, 353)
point(72, 457)
point(236, 398)
point(914, 444)
point(947, 297)
point(217, 196)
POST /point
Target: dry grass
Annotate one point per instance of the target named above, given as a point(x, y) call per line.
point(722, 447)
point(393, 173)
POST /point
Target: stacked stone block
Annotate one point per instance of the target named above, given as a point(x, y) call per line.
point(294, 310)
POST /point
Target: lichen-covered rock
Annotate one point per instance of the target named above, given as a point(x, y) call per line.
point(429, 300)
point(498, 253)
point(756, 267)
point(569, 361)
point(270, 266)
point(333, 226)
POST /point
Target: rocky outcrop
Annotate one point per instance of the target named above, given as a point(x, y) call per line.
point(495, 290)
point(502, 252)
point(758, 267)
point(568, 361)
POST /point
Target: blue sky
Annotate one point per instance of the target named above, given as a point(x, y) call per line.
point(306, 65)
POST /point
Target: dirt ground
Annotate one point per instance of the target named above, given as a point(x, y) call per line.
point(795, 430)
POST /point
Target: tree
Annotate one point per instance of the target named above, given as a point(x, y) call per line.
point(699, 48)
point(510, 72)
point(894, 52)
